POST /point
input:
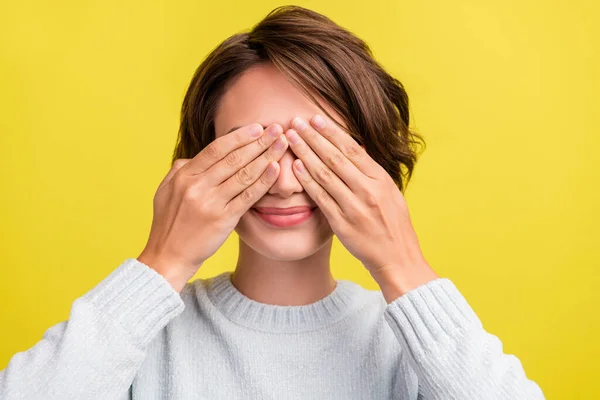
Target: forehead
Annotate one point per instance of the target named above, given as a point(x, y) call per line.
point(263, 94)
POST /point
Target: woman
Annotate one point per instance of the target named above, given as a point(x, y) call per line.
point(296, 92)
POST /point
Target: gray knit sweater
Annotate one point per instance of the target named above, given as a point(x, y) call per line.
point(133, 336)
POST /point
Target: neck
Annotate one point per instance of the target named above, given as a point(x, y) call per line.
point(291, 283)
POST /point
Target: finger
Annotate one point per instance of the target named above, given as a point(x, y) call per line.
point(330, 155)
point(320, 172)
point(247, 175)
point(177, 165)
point(236, 162)
point(347, 145)
point(246, 199)
point(222, 146)
point(326, 203)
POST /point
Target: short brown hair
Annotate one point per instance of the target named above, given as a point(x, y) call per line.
point(320, 57)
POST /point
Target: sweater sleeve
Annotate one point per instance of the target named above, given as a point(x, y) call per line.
point(450, 352)
point(97, 352)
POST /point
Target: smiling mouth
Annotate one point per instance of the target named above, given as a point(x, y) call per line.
point(280, 220)
point(283, 211)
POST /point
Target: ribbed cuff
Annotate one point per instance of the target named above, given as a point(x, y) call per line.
point(138, 298)
point(432, 318)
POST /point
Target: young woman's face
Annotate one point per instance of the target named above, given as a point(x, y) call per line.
point(263, 95)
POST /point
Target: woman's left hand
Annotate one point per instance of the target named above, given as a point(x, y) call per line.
point(363, 205)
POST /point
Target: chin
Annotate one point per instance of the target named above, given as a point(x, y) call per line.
point(282, 252)
point(287, 250)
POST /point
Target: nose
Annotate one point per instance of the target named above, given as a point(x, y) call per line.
point(287, 183)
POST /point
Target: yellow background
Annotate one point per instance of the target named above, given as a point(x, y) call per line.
point(504, 199)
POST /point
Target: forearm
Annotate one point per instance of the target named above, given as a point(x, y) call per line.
point(451, 353)
point(97, 352)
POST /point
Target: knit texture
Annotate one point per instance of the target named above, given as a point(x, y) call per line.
point(134, 337)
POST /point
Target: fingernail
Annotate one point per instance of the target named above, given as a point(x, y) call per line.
point(299, 124)
point(300, 166)
point(293, 136)
point(318, 122)
point(280, 142)
point(255, 130)
point(273, 130)
point(271, 169)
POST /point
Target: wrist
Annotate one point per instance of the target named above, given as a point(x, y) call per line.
point(177, 275)
point(396, 280)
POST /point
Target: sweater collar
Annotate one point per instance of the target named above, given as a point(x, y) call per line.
point(346, 297)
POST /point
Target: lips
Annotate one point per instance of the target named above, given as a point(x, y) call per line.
point(284, 217)
point(283, 211)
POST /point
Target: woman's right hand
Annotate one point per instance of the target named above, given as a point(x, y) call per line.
point(201, 200)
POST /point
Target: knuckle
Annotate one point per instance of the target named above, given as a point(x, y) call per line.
point(248, 196)
point(354, 150)
point(371, 200)
point(212, 151)
point(324, 175)
point(323, 197)
point(179, 180)
point(336, 160)
point(233, 159)
point(244, 176)
point(189, 194)
point(180, 162)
